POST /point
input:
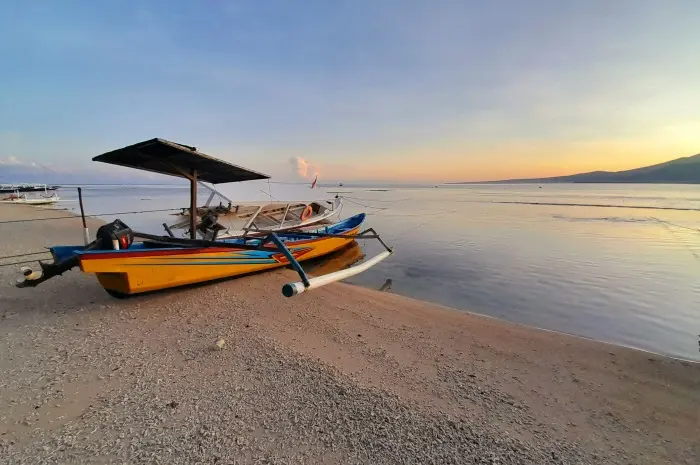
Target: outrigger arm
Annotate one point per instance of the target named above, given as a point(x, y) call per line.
point(306, 284)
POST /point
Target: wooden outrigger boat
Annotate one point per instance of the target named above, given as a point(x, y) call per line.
point(239, 219)
point(124, 266)
point(24, 187)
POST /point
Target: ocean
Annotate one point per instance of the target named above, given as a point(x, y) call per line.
point(616, 263)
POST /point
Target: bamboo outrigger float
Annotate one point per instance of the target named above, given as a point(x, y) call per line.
point(124, 266)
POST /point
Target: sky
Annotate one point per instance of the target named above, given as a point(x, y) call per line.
point(390, 90)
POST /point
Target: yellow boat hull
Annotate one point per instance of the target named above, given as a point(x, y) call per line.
point(143, 270)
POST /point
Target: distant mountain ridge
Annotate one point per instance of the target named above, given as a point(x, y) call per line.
point(685, 170)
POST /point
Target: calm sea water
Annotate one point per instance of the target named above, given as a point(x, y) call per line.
point(579, 259)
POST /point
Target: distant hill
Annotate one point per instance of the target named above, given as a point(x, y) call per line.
point(684, 170)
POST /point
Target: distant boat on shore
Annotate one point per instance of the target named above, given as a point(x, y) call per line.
point(24, 187)
point(23, 199)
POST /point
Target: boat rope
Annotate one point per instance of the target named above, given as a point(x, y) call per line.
point(674, 224)
point(269, 194)
point(420, 225)
point(365, 206)
point(304, 183)
point(20, 263)
point(412, 215)
point(95, 215)
point(396, 239)
point(377, 200)
point(667, 224)
point(24, 254)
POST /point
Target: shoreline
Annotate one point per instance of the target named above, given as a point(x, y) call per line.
point(564, 333)
point(95, 222)
point(334, 361)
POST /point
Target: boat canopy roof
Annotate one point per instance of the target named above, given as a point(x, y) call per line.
point(166, 157)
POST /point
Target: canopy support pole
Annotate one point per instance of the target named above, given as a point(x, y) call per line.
point(193, 205)
point(86, 233)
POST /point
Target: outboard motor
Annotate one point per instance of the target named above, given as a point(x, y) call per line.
point(209, 221)
point(114, 236)
point(209, 226)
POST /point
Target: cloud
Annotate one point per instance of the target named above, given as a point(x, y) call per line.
point(14, 163)
point(299, 165)
point(10, 161)
point(302, 168)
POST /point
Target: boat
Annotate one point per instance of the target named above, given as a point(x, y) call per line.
point(128, 262)
point(229, 219)
point(24, 187)
point(17, 198)
point(154, 265)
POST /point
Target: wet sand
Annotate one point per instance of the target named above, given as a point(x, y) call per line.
point(339, 375)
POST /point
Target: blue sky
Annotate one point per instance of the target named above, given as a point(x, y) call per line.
point(384, 90)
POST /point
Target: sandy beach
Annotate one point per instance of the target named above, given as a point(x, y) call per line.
point(339, 375)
